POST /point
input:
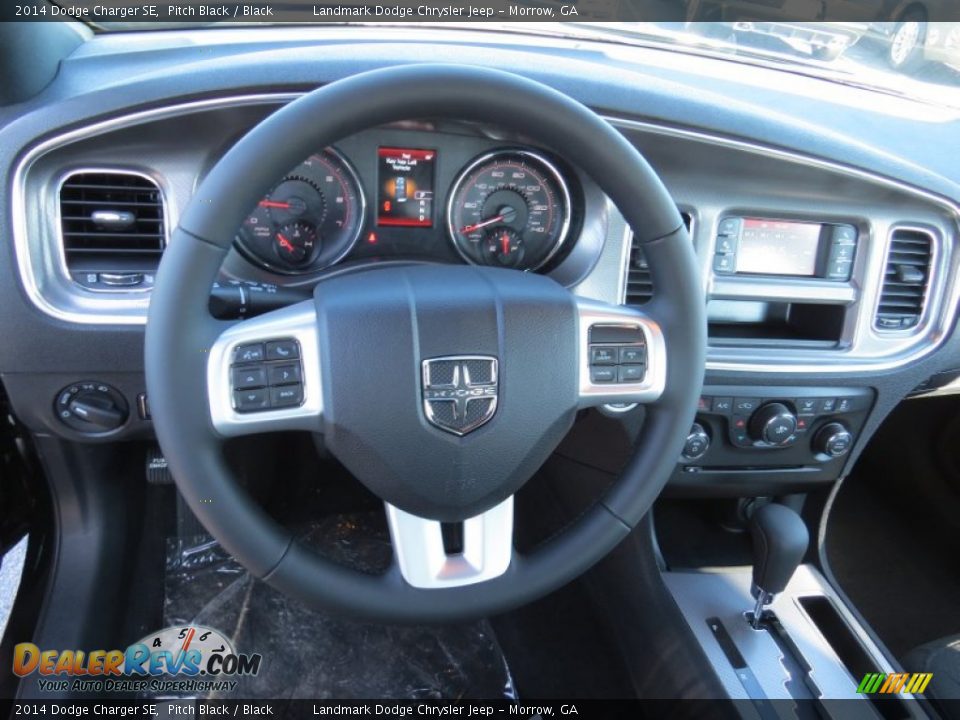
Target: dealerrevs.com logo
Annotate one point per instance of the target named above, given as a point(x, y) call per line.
point(176, 659)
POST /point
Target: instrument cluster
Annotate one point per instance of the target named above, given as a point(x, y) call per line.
point(510, 207)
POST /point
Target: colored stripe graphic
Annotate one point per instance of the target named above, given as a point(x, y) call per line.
point(913, 683)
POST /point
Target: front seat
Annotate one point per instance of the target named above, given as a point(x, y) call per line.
point(942, 659)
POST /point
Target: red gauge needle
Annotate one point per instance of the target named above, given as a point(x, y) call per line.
point(505, 243)
point(284, 243)
point(275, 204)
point(488, 221)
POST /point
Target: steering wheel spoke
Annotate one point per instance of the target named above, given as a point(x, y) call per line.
point(263, 374)
point(425, 560)
point(622, 354)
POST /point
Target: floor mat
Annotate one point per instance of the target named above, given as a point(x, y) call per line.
point(312, 654)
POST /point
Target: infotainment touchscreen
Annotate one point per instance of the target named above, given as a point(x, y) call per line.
point(776, 247)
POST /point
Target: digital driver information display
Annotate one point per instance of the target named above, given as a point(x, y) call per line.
point(774, 247)
point(405, 187)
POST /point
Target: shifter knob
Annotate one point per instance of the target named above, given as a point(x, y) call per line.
point(779, 541)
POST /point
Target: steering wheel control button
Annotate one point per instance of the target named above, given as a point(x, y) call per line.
point(248, 353)
point(267, 383)
point(251, 400)
point(283, 350)
point(602, 355)
point(285, 374)
point(286, 396)
point(245, 378)
point(630, 373)
point(603, 374)
point(634, 355)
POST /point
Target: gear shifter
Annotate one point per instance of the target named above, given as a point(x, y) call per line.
point(779, 541)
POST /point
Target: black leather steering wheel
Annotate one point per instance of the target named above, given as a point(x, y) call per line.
point(385, 352)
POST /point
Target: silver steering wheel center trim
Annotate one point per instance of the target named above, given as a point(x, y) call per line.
point(297, 322)
point(424, 562)
point(593, 314)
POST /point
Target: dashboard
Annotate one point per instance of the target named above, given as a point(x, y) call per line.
point(830, 271)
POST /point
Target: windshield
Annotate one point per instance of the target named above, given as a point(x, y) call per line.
point(908, 56)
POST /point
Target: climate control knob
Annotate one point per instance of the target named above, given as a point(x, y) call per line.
point(773, 423)
point(833, 440)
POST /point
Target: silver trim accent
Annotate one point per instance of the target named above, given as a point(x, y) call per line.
point(488, 391)
point(590, 313)
point(297, 321)
point(362, 212)
point(423, 562)
point(43, 276)
point(62, 268)
point(867, 350)
point(725, 594)
point(551, 169)
point(934, 259)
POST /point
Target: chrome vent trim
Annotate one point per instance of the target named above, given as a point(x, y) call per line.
point(109, 213)
point(904, 291)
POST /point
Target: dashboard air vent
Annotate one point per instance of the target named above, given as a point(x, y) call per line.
point(113, 227)
point(905, 280)
point(639, 283)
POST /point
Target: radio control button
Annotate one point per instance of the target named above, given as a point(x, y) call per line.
point(844, 234)
point(842, 253)
point(630, 373)
point(729, 226)
point(839, 269)
point(726, 245)
point(724, 264)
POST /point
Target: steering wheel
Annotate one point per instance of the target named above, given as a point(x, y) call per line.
point(441, 388)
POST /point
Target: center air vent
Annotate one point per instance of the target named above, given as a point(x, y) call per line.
point(905, 281)
point(639, 283)
point(113, 228)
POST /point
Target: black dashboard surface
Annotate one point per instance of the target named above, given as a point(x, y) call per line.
point(887, 137)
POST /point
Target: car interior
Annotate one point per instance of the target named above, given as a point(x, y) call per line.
point(528, 362)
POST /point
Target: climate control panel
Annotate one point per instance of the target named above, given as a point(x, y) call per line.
point(750, 434)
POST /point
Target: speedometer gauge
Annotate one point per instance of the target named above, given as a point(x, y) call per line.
point(310, 220)
point(510, 208)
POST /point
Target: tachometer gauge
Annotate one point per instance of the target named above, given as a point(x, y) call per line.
point(510, 208)
point(310, 220)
